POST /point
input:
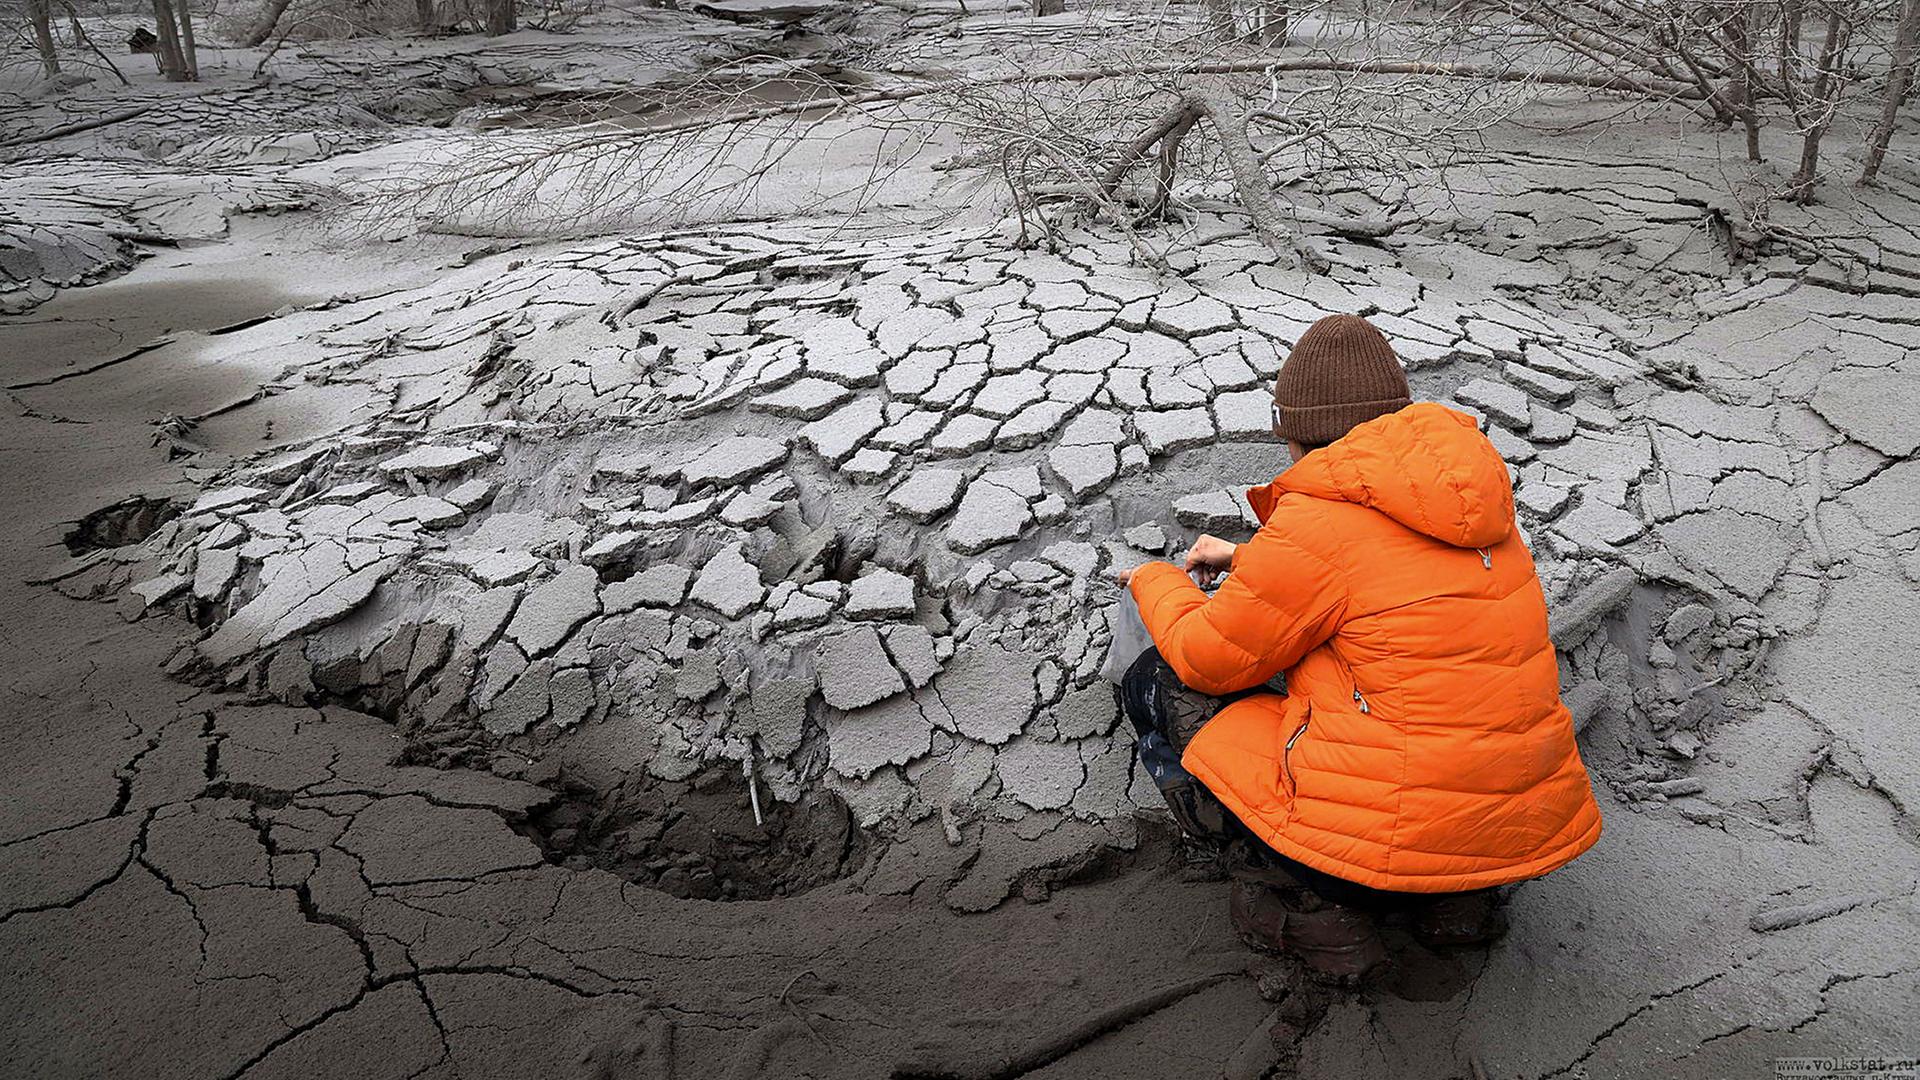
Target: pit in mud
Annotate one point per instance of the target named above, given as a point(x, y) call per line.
point(126, 522)
point(697, 838)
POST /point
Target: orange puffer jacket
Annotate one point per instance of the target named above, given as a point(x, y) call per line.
point(1421, 745)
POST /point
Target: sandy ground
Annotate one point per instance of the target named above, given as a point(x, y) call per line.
point(405, 726)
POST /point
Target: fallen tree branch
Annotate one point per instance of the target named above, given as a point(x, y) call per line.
point(930, 1064)
point(1663, 87)
point(1250, 183)
point(113, 118)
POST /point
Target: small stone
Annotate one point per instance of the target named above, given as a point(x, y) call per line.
point(611, 548)
point(660, 585)
point(1211, 511)
point(927, 493)
point(1550, 388)
point(748, 510)
point(552, 609)
point(1590, 415)
point(155, 590)
point(1084, 468)
point(434, 462)
point(854, 669)
point(1513, 448)
point(348, 493)
point(733, 460)
point(482, 616)
point(226, 499)
point(1088, 711)
point(1543, 499)
point(728, 584)
point(571, 692)
point(492, 568)
point(1497, 400)
point(913, 651)
point(1746, 551)
point(1042, 775)
point(1686, 621)
point(429, 511)
point(1200, 315)
point(1595, 526)
point(882, 594)
point(626, 465)
point(289, 467)
point(990, 691)
point(802, 610)
point(778, 708)
point(1877, 408)
point(1093, 426)
point(1551, 425)
point(1168, 430)
point(861, 741)
point(697, 676)
point(838, 434)
point(869, 465)
point(1031, 426)
point(808, 399)
point(1074, 556)
point(1244, 414)
point(1005, 395)
point(470, 495)
point(966, 434)
point(1148, 537)
point(990, 514)
point(213, 571)
point(521, 705)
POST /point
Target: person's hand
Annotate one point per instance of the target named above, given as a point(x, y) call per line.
point(1125, 577)
point(1208, 558)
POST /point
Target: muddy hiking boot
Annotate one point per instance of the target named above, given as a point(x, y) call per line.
point(1336, 943)
point(1469, 918)
point(1199, 814)
point(1166, 715)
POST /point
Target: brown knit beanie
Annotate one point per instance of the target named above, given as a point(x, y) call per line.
point(1341, 373)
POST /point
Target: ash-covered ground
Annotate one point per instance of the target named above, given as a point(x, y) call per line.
point(674, 652)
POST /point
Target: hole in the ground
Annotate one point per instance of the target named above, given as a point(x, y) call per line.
point(697, 838)
point(126, 522)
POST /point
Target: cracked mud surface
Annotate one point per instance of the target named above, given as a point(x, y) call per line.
point(401, 639)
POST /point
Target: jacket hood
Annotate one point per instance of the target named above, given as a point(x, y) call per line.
point(1427, 467)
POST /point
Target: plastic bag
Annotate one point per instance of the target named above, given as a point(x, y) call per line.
point(1130, 638)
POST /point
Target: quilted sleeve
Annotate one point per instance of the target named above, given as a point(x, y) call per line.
point(1280, 601)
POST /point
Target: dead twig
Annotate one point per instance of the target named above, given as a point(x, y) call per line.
point(1051, 1048)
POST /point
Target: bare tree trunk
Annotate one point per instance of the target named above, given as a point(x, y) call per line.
point(41, 22)
point(189, 57)
point(269, 21)
point(423, 14)
point(1738, 47)
point(80, 37)
point(500, 17)
point(1220, 18)
point(1906, 44)
point(1049, 7)
point(1275, 20)
point(167, 52)
point(1270, 220)
point(1828, 84)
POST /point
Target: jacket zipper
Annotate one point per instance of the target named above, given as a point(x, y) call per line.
point(1362, 702)
point(1486, 558)
point(1286, 755)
